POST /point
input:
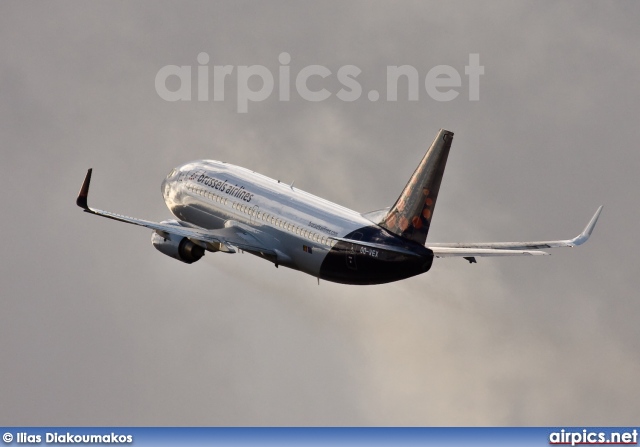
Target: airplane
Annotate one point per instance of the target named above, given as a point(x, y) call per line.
point(225, 208)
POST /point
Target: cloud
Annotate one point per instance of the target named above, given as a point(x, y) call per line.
point(98, 328)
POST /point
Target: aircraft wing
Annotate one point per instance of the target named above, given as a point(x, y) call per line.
point(232, 235)
point(442, 250)
point(450, 252)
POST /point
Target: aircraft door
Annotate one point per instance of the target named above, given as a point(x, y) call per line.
point(253, 213)
point(351, 254)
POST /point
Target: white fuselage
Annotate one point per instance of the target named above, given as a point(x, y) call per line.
point(209, 193)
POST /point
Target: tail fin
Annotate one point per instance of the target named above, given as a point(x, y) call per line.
point(410, 217)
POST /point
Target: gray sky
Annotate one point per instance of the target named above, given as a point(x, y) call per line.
point(98, 328)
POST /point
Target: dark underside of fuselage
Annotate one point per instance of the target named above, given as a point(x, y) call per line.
point(352, 263)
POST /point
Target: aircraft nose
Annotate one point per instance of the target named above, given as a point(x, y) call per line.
point(165, 187)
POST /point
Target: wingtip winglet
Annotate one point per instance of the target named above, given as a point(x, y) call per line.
point(586, 233)
point(81, 201)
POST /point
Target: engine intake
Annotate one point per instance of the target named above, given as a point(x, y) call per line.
point(177, 247)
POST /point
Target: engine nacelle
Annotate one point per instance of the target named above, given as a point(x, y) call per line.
point(177, 247)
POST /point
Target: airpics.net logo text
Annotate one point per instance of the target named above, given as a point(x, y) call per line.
point(441, 83)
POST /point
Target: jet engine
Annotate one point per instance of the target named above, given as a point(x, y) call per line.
point(177, 247)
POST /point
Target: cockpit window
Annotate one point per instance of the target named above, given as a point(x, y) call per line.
point(172, 173)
